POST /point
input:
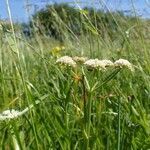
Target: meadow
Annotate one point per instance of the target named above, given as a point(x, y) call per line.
point(97, 97)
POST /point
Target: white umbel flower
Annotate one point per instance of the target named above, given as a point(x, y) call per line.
point(66, 60)
point(124, 63)
point(93, 63)
point(96, 63)
point(10, 114)
point(107, 63)
point(79, 59)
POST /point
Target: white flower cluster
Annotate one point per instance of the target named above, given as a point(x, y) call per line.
point(102, 64)
point(124, 63)
point(107, 63)
point(12, 114)
point(66, 60)
point(96, 63)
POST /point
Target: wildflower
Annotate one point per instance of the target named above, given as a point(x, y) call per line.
point(107, 63)
point(124, 63)
point(96, 63)
point(57, 50)
point(10, 114)
point(66, 60)
point(79, 59)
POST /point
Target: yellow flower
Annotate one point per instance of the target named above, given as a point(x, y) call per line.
point(56, 51)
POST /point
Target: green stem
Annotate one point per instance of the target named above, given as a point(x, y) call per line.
point(89, 103)
point(87, 114)
point(118, 143)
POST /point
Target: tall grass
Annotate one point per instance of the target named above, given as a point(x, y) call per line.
point(79, 108)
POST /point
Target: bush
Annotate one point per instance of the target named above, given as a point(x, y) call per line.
point(59, 19)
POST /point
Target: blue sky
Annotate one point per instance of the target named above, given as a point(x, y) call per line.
point(19, 11)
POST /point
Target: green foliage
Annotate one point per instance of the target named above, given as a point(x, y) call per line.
point(78, 108)
point(60, 19)
point(56, 19)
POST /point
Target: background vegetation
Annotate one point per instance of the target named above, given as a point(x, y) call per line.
point(78, 109)
point(59, 20)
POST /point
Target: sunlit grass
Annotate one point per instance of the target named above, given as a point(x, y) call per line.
point(80, 106)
